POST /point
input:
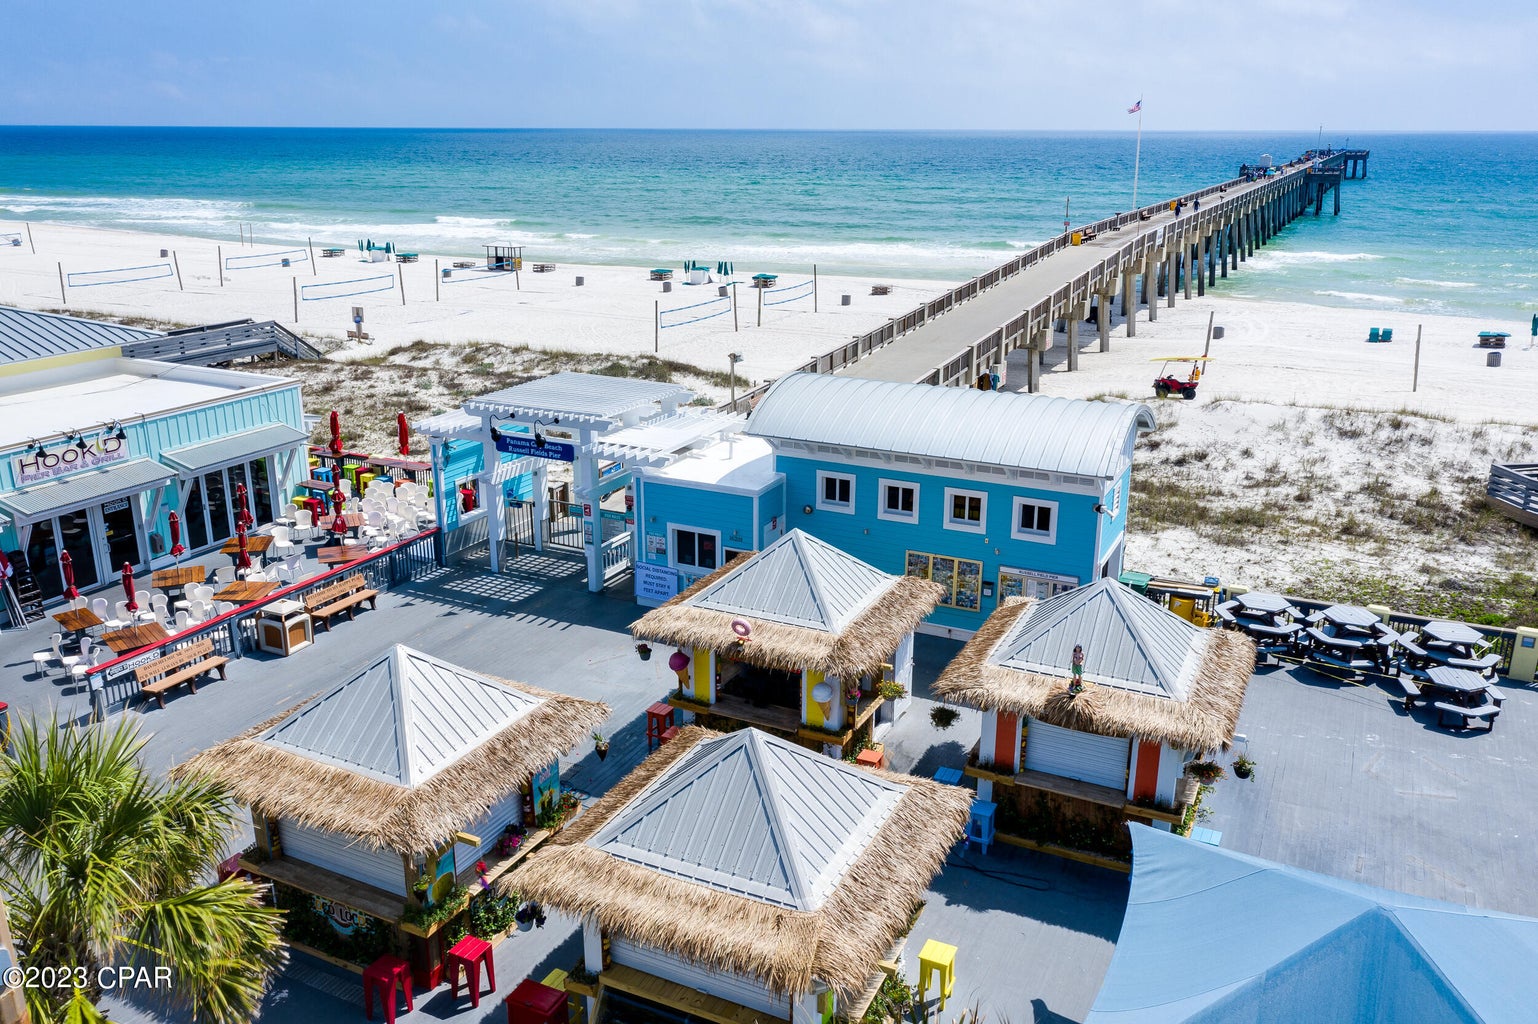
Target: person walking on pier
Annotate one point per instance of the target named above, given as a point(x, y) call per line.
point(1196, 206)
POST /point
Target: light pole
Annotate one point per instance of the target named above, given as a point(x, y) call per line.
point(734, 357)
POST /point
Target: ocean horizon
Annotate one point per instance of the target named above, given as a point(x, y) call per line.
point(1443, 222)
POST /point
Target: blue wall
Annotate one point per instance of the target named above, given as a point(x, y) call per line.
point(885, 543)
point(463, 458)
point(665, 505)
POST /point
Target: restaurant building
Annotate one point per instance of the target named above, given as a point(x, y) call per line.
point(97, 449)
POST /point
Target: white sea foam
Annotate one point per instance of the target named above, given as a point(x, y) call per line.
point(1363, 297)
point(1290, 259)
point(1436, 284)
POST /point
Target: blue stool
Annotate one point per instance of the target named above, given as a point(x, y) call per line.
point(949, 776)
point(981, 826)
point(321, 473)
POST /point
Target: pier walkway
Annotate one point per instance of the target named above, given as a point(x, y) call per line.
point(1145, 255)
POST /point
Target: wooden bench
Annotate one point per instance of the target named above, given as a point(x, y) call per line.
point(341, 596)
point(1488, 712)
point(1412, 692)
point(185, 665)
point(405, 257)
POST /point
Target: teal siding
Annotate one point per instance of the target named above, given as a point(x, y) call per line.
point(461, 459)
point(1115, 528)
point(693, 507)
point(771, 514)
point(884, 543)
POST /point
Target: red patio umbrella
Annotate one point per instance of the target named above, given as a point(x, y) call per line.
point(336, 433)
point(67, 566)
point(128, 586)
point(338, 506)
point(243, 559)
point(243, 516)
point(177, 551)
point(403, 432)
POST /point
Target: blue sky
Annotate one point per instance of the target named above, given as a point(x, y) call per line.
point(978, 64)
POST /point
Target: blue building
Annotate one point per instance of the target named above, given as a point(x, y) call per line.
point(96, 450)
point(990, 494)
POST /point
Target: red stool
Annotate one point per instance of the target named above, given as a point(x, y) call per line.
point(381, 976)
point(468, 954)
point(659, 718)
point(667, 734)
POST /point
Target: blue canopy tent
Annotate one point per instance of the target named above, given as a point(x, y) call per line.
point(1210, 935)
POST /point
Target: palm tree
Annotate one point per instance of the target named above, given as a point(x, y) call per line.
point(105, 865)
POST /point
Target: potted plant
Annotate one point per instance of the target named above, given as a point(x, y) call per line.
point(1205, 772)
point(891, 690)
point(1243, 767)
point(600, 744)
point(645, 651)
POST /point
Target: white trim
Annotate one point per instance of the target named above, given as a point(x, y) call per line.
point(882, 512)
point(1115, 501)
point(691, 570)
point(1034, 536)
point(843, 508)
point(962, 525)
point(1070, 483)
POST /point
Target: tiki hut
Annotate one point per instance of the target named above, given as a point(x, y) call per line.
point(800, 639)
point(374, 802)
point(749, 869)
point(1081, 755)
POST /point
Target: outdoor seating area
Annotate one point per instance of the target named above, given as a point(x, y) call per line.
point(1382, 334)
point(1444, 666)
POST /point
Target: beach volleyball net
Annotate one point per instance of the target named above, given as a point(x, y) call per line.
point(251, 261)
point(681, 316)
point(789, 293)
point(118, 275)
point(10, 237)
point(347, 289)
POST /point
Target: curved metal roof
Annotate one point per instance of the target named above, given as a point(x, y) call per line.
point(995, 428)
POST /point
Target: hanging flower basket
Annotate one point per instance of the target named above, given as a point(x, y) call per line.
point(645, 651)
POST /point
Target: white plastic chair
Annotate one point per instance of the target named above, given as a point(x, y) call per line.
point(289, 515)
point(303, 520)
point(220, 607)
point(203, 592)
point(79, 602)
point(345, 485)
point(121, 615)
point(183, 620)
point(282, 543)
point(161, 606)
point(99, 608)
point(201, 611)
point(224, 575)
point(88, 658)
point(41, 659)
point(256, 576)
point(146, 612)
point(68, 661)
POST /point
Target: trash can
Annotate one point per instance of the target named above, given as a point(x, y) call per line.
point(721, 291)
point(1493, 358)
point(447, 273)
point(843, 300)
point(581, 280)
point(285, 261)
point(667, 286)
point(1217, 333)
point(163, 253)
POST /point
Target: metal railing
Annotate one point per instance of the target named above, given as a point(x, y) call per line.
point(1197, 223)
point(1515, 485)
point(234, 632)
point(616, 554)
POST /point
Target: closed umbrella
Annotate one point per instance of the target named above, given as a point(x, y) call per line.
point(177, 551)
point(243, 514)
point(403, 432)
point(128, 586)
point(338, 506)
point(243, 559)
point(67, 566)
point(336, 433)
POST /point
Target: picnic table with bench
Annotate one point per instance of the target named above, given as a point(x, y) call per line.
point(405, 257)
point(186, 665)
point(332, 252)
point(341, 596)
point(881, 289)
point(543, 268)
point(661, 274)
point(464, 264)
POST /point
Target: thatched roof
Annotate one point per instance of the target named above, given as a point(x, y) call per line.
point(1204, 719)
point(869, 905)
point(810, 606)
point(278, 776)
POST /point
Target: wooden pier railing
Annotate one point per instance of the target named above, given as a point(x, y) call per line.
point(1513, 491)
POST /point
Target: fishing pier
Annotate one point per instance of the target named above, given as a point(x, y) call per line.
point(1139, 258)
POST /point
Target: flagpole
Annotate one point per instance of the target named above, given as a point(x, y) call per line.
point(1137, 157)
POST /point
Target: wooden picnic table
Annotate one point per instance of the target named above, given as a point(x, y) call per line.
point(333, 252)
point(179, 577)
point(316, 484)
point(77, 620)
point(246, 591)
point(134, 637)
point(256, 544)
point(340, 554)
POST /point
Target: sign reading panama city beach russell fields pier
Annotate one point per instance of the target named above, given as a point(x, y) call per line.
point(32, 467)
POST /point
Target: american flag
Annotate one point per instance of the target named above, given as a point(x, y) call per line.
point(1135, 107)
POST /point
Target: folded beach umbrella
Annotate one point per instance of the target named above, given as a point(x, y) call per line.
point(176, 537)
point(336, 433)
point(128, 586)
point(403, 433)
point(243, 559)
point(67, 567)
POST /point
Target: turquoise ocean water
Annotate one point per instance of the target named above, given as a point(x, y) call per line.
point(1444, 223)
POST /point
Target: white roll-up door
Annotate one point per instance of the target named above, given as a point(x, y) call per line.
point(1071, 754)
point(731, 987)
point(382, 869)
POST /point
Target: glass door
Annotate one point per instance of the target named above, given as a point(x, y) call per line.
point(43, 558)
point(220, 527)
point(261, 491)
point(194, 517)
point(77, 538)
point(121, 533)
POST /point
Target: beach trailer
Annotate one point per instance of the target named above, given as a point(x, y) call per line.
point(1094, 701)
point(739, 877)
point(376, 804)
point(800, 639)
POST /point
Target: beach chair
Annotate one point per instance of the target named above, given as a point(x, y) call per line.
point(1373, 335)
point(1387, 335)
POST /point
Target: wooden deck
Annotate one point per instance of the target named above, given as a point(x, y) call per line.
point(1513, 491)
point(671, 994)
point(317, 881)
point(780, 721)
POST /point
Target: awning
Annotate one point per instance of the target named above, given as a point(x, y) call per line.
point(224, 450)
point(30, 503)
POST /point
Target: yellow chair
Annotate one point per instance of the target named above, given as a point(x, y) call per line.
point(939, 959)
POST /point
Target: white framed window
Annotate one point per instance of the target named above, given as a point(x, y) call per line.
point(898, 501)
point(835, 492)
point(695, 550)
point(966, 510)
point(1034, 520)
